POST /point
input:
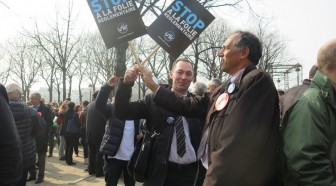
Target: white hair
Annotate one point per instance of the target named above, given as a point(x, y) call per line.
point(13, 88)
point(198, 88)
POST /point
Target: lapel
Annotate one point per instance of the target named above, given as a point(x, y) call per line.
point(223, 89)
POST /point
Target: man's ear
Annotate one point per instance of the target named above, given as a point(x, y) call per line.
point(170, 74)
point(245, 53)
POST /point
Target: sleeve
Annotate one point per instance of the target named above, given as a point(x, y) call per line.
point(192, 106)
point(101, 100)
point(306, 143)
point(126, 110)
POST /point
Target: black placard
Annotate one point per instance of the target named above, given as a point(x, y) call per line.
point(179, 25)
point(117, 20)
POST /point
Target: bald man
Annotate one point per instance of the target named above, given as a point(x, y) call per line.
point(311, 127)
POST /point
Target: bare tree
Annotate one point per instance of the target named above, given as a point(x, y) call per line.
point(102, 62)
point(62, 39)
point(48, 73)
point(25, 63)
point(5, 69)
point(274, 47)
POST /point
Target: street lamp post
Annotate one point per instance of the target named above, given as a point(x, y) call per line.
point(298, 76)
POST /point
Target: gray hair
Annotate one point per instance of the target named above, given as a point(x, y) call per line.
point(198, 88)
point(13, 88)
point(215, 81)
point(252, 42)
point(36, 95)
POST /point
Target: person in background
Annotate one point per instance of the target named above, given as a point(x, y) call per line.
point(69, 136)
point(198, 88)
point(310, 127)
point(82, 119)
point(10, 144)
point(78, 110)
point(295, 93)
point(42, 140)
point(241, 136)
point(51, 137)
point(213, 84)
point(95, 130)
point(29, 125)
point(61, 151)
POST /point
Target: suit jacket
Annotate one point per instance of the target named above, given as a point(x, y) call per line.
point(244, 136)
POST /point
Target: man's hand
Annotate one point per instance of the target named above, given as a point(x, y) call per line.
point(147, 78)
point(113, 81)
point(131, 74)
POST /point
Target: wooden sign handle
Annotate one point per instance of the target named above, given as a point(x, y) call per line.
point(130, 44)
point(150, 55)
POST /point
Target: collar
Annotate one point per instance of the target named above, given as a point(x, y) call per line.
point(234, 77)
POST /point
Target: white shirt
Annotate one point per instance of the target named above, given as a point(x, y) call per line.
point(190, 155)
point(126, 147)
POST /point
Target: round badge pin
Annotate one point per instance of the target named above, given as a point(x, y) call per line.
point(231, 88)
point(222, 101)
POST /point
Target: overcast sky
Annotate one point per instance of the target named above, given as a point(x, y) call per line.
point(304, 24)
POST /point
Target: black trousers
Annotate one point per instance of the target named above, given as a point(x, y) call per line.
point(113, 170)
point(51, 142)
point(76, 143)
point(96, 161)
point(181, 175)
point(69, 141)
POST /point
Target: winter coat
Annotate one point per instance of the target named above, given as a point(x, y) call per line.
point(66, 117)
point(29, 125)
point(114, 129)
point(95, 125)
point(156, 120)
point(10, 144)
point(309, 136)
point(243, 137)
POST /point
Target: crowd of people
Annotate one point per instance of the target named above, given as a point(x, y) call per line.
point(242, 131)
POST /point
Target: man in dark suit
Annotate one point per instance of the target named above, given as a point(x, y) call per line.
point(242, 118)
point(95, 129)
point(173, 160)
point(41, 141)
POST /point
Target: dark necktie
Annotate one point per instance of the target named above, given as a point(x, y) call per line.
point(180, 137)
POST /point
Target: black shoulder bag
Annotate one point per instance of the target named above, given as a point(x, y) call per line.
point(138, 164)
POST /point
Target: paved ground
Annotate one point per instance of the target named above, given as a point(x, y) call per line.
point(58, 173)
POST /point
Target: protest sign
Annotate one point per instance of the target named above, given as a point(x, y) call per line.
point(179, 25)
point(117, 20)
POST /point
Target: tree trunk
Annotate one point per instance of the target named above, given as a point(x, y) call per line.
point(120, 67)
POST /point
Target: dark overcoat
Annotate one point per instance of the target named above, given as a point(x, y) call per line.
point(42, 140)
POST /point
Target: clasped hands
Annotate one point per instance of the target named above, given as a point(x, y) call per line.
point(131, 75)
